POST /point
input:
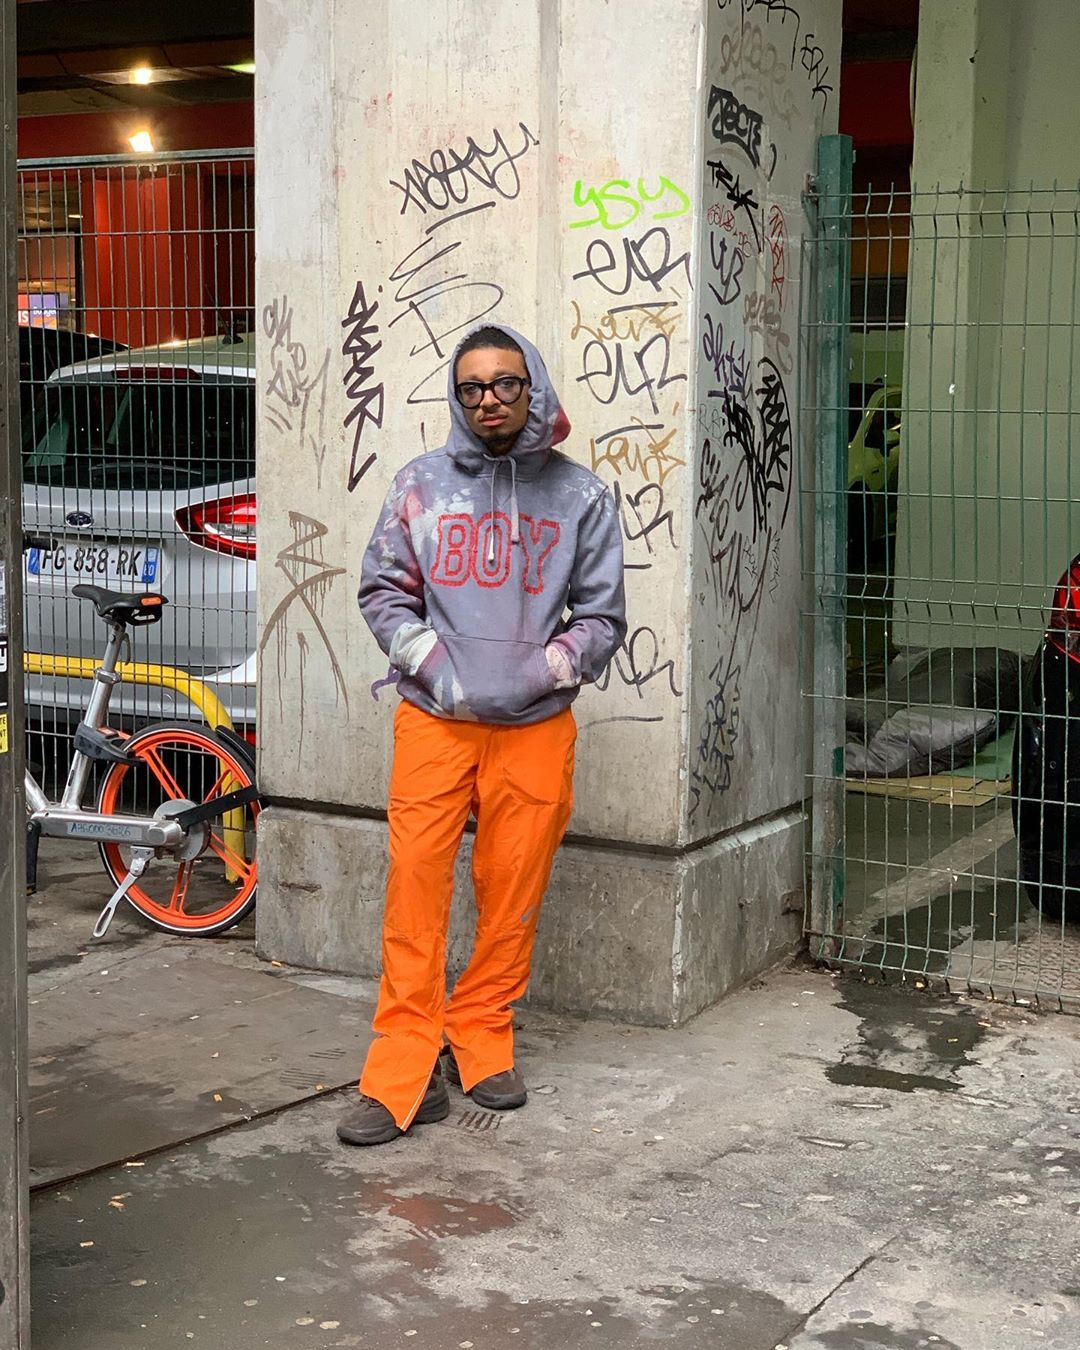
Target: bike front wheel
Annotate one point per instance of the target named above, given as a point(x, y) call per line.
point(204, 895)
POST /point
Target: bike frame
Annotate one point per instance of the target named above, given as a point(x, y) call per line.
point(67, 819)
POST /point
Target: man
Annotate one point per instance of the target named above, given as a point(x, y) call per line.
point(494, 583)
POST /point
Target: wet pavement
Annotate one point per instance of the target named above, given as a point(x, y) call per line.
point(816, 1164)
point(931, 890)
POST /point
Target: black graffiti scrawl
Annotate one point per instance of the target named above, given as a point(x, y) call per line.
point(744, 493)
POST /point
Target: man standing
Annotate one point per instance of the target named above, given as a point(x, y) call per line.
point(494, 583)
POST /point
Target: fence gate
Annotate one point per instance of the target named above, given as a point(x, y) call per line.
point(943, 633)
point(136, 346)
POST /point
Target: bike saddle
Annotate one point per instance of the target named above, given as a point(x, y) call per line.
point(122, 606)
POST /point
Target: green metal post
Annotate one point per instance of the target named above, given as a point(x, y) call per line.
point(833, 267)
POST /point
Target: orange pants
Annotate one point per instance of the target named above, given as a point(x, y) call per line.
point(518, 781)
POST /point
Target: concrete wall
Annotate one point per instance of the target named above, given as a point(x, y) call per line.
point(770, 88)
point(629, 193)
point(988, 517)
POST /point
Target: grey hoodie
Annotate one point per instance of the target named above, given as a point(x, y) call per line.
point(476, 560)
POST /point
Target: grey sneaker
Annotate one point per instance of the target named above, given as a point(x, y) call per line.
point(500, 1092)
point(371, 1123)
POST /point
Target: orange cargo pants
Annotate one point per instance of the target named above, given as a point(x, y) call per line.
point(518, 781)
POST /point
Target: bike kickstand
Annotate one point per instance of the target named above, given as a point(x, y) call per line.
point(33, 839)
point(140, 857)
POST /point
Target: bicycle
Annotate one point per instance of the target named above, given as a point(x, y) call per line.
point(165, 787)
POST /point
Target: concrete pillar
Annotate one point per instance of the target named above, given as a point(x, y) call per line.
point(630, 193)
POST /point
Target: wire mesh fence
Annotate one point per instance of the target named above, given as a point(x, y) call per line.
point(136, 343)
point(951, 724)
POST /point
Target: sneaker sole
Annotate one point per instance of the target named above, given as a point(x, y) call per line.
point(500, 1103)
point(368, 1140)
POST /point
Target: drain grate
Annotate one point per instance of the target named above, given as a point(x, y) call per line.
point(302, 1079)
point(478, 1122)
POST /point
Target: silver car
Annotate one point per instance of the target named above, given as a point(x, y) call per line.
point(138, 474)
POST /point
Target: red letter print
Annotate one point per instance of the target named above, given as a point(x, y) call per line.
point(451, 567)
point(538, 538)
point(491, 549)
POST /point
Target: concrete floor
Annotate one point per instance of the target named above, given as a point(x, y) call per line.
point(932, 890)
point(817, 1164)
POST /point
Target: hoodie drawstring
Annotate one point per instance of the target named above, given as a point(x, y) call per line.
point(514, 527)
point(513, 503)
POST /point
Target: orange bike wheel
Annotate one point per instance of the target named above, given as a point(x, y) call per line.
point(216, 890)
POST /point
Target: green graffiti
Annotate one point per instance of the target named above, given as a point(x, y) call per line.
point(616, 206)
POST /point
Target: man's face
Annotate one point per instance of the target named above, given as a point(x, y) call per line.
point(496, 424)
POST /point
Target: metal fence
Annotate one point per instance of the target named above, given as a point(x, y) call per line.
point(945, 625)
point(136, 343)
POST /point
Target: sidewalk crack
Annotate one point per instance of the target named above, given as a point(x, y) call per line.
point(800, 1325)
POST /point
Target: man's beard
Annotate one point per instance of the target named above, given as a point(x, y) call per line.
point(499, 444)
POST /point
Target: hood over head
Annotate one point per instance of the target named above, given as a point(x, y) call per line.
point(546, 425)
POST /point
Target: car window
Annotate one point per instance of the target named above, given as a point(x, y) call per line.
point(883, 418)
point(874, 437)
point(146, 436)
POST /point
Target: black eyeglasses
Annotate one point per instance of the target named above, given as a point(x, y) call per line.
point(507, 389)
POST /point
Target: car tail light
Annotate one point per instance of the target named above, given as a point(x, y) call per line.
point(227, 524)
point(1064, 632)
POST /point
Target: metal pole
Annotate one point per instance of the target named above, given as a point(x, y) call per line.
point(137, 160)
point(830, 535)
point(14, 1196)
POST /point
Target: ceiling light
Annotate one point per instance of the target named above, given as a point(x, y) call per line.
point(142, 143)
point(144, 75)
point(242, 67)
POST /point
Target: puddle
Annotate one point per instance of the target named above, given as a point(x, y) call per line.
point(922, 940)
point(906, 1041)
point(867, 1076)
point(257, 1248)
point(437, 1216)
point(876, 1336)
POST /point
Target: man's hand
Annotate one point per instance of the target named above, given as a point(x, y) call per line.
point(411, 646)
point(559, 665)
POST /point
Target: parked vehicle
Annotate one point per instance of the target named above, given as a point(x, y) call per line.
point(138, 474)
point(43, 350)
point(1046, 761)
point(873, 469)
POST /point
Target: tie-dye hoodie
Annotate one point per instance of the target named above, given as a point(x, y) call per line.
point(495, 583)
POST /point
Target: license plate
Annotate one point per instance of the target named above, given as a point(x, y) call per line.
point(100, 563)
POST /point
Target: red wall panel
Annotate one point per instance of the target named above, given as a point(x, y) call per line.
point(875, 104)
point(208, 126)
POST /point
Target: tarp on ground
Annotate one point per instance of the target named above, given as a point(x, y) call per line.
point(932, 711)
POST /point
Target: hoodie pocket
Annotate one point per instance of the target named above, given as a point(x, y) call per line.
point(490, 680)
